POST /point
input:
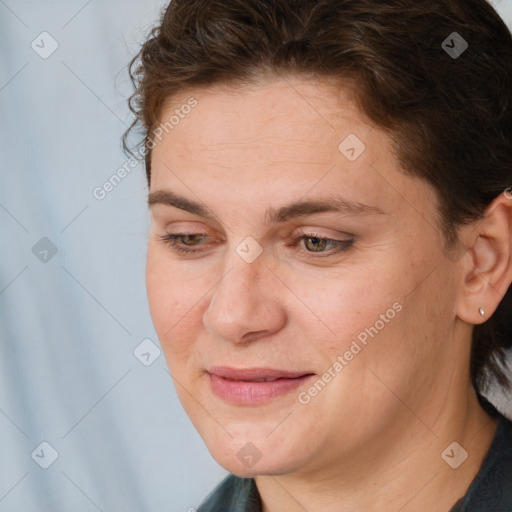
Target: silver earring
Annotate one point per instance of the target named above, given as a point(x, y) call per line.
point(482, 312)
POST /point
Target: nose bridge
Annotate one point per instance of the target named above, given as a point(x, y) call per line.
point(240, 282)
point(240, 301)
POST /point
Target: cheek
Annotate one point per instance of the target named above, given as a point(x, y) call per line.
point(344, 304)
point(174, 303)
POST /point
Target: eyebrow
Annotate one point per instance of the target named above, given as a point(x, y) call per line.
point(299, 208)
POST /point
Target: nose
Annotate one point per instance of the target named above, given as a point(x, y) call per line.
point(245, 304)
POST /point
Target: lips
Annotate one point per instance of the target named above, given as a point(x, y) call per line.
point(254, 386)
point(254, 374)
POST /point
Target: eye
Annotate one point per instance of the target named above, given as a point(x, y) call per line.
point(183, 242)
point(314, 243)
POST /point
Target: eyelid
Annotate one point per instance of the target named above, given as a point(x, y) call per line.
point(190, 228)
point(184, 225)
point(329, 233)
point(169, 216)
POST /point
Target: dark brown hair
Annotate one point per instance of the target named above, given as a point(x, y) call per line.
point(449, 116)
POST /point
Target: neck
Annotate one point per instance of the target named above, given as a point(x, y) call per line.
point(400, 470)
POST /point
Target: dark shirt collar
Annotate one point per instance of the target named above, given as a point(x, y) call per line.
point(233, 494)
point(491, 489)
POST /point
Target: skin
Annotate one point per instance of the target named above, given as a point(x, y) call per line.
point(372, 439)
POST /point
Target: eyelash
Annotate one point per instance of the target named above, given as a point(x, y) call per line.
point(172, 240)
point(338, 246)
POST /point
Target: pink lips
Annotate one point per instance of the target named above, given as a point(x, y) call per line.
point(253, 386)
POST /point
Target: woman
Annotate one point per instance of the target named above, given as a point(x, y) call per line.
point(329, 259)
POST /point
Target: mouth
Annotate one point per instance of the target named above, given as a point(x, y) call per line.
point(254, 386)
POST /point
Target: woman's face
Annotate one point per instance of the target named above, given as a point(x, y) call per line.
point(358, 329)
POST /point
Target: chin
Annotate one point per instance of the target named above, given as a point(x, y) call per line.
point(247, 459)
point(272, 467)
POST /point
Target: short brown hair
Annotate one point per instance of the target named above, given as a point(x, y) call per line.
point(449, 116)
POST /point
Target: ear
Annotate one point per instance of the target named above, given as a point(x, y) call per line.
point(487, 261)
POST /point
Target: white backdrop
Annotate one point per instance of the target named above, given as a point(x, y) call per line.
point(72, 296)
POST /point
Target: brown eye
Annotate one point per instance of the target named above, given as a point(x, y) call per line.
point(315, 244)
point(184, 243)
point(191, 239)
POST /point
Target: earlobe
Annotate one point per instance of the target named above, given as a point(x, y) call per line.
point(489, 276)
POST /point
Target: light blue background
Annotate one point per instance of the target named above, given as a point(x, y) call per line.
point(69, 326)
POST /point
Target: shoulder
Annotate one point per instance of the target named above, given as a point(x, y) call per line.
point(233, 494)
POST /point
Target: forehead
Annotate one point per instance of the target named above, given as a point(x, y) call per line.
point(264, 114)
point(285, 139)
point(286, 124)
